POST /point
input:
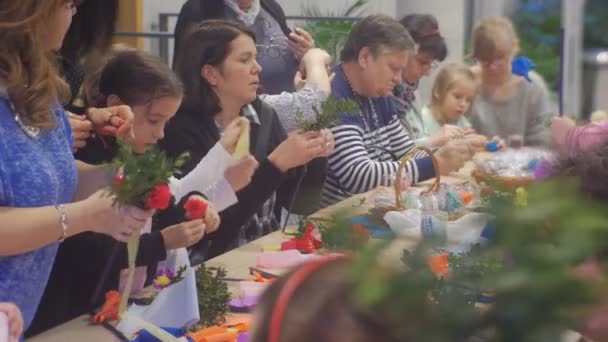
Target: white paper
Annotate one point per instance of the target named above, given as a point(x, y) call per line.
point(3, 327)
point(461, 233)
point(175, 306)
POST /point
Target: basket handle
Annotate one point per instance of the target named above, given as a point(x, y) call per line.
point(433, 187)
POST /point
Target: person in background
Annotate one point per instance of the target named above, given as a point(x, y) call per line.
point(45, 195)
point(370, 144)
point(507, 105)
point(453, 93)
point(568, 138)
point(221, 77)
point(431, 50)
point(279, 48)
point(313, 86)
point(84, 50)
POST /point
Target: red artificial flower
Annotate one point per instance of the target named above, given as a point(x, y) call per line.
point(118, 179)
point(306, 244)
point(159, 197)
point(439, 264)
point(196, 207)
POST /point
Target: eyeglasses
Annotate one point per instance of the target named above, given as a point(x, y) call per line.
point(500, 60)
point(426, 64)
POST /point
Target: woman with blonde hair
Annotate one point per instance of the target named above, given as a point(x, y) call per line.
point(45, 196)
point(507, 104)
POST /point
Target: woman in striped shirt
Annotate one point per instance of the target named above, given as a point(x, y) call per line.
point(369, 144)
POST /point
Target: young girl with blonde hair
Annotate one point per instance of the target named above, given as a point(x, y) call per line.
point(507, 104)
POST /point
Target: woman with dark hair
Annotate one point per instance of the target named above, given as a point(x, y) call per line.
point(370, 144)
point(85, 47)
point(221, 77)
point(431, 49)
point(279, 48)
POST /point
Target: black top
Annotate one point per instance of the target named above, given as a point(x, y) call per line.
point(195, 11)
point(198, 133)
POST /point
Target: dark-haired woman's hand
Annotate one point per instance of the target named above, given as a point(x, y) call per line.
point(298, 149)
point(239, 172)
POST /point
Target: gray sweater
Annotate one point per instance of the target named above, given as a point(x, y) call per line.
point(525, 113)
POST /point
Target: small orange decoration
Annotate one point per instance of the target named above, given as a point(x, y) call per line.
point(109, 310)
point(439, 264)
point(466, 197)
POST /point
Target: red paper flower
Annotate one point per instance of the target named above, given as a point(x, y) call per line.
point(196, 208)
point(439, 264)
point(119, 178)
point(159, 197)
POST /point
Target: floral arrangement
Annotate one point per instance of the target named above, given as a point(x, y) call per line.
point(527, 269)
point(166, 277)
point(142, 179)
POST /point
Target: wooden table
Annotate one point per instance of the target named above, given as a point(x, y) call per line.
point(238, 261)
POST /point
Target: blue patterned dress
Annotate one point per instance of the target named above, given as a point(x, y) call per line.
point(34, 172)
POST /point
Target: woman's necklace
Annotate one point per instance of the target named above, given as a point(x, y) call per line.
point(30, 131)
point(369, 117)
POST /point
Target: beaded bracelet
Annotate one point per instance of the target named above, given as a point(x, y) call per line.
point(63, 220)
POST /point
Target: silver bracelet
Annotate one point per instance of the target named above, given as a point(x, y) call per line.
point(63, 220)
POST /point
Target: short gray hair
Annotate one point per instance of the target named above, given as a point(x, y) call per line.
point(376, 32)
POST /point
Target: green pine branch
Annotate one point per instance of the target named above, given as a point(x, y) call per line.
point(328, 115)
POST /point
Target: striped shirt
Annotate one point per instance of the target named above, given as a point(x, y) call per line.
point(368, 148)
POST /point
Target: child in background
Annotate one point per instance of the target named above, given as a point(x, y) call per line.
point(453, 93)
point(507, 104)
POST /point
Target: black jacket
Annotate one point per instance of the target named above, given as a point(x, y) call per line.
point(197, 134)
point(195, 11)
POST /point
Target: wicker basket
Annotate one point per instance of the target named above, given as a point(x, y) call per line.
point(399, 205)
point(507, 183)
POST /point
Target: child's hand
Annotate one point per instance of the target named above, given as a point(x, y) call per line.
point(452, 156)
point(446, 133)
point(15, 320)
point(184, 234)
point(232, 133)
point(212, 219)
point(477, 142)
point(239, 173)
